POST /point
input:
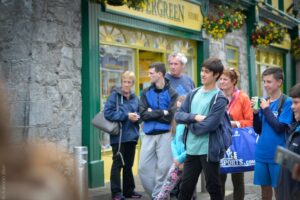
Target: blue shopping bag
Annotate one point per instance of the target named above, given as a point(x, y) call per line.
point(239, 157)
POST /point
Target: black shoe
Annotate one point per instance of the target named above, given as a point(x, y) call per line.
point(133, 195)
point(118, 197)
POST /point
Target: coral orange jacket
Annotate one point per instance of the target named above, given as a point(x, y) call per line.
point(241, 109)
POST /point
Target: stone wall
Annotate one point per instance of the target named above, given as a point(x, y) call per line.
point(236, 39)
point(40, 63)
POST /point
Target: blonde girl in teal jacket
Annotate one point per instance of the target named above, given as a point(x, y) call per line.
point(179, 155)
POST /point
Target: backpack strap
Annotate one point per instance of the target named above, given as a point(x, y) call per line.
point(186, 129)
point(121, 133)
point(282, 99)
point(214, 100)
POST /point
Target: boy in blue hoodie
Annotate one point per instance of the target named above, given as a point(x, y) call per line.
point(271, 123)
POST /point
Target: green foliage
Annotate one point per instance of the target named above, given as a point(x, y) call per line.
point(268, 33)
point(136, 4)
point(296, 48)
point(224, 21)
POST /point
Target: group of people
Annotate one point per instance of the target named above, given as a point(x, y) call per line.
point(182, 135)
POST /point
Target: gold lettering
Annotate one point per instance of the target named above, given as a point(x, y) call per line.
point(159, 8)
point(176, 14)
point(171, 13)
point(154, 7)
point(193, 16)
point(181, 12)
point(166, 14)
point(148, 11)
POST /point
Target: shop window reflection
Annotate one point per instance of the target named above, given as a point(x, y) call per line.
point(266, 58)
point(113, 61)
point(189, 66)
point(111, 34)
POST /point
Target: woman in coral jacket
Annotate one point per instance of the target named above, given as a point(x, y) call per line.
point(241, 114)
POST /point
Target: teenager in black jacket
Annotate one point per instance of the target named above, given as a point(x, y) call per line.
point(289, 188)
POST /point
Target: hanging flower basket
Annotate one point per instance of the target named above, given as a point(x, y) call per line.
point(136, 4)
point(116, 2)
point(296, 48)
point(268, 33)
point(226, 20)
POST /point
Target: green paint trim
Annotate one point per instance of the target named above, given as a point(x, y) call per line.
point(288, 81)
point(94, 172)
point(143, 25)
point(90, 91)
point(250, 21)
point(202, 54)
point(281, 5)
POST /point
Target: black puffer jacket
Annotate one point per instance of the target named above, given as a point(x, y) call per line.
point(288, 188)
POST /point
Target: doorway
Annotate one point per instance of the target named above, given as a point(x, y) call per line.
point(145, 59)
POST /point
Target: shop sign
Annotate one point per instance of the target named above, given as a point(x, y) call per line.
point(285, 44)
point(172, 12)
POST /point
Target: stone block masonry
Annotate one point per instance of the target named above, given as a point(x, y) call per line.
point(40, 64)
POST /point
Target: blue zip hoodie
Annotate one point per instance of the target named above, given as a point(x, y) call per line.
point(155, 122)
point(211, 124)
point(130, 129)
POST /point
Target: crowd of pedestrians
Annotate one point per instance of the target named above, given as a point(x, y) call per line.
point(181, 135)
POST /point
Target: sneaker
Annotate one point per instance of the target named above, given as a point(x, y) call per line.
point(134, 195)
point(118, 197)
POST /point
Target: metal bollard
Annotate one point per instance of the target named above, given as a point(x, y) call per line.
point(81, 172)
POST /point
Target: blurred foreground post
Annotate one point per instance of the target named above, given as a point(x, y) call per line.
point(81, 172)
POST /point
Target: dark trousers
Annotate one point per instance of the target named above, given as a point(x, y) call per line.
point(193, 166)
point(128, 152)
point(238, 185)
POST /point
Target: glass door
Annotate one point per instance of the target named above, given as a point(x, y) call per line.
point(266, 58)
point(145, 59)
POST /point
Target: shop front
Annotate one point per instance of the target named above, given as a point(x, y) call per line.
point(274, 54)
point(121, 49)
point(130, 39)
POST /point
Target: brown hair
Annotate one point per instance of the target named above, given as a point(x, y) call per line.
point(215, 65)
point(295, 91)
point(275, 71)
point(174, 124)
point(232, 74)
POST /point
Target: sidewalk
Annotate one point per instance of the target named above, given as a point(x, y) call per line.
point(103, 193)
point(252, 192)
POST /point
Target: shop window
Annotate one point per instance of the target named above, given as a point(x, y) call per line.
point(138, 39)
point(232, 57)
point(114, 60)
point(189, 67)
point(266, 58)
point(160, 43)
point(111, 34)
